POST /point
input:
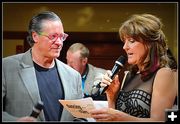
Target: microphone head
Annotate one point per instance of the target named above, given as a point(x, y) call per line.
point(121, 60)
point(39, 105)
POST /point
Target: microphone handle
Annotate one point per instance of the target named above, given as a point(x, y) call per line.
point(112, 76)
point(104, 90)
point(34, 114)
point(37, 109)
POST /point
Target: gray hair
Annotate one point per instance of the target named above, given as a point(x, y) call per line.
point(79, 46)
point(36, 23)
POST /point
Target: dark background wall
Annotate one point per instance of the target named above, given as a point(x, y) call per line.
point(94, 24)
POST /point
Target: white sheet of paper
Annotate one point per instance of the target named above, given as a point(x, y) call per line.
point(100, 104)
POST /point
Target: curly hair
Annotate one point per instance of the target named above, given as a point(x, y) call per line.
point(147, 28)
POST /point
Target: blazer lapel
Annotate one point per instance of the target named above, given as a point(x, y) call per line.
point(29, 79)
point(28, 75)
point(64, 79)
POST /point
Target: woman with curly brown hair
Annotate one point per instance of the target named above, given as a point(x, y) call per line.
point(149, 87)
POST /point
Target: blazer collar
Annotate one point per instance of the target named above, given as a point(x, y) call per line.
point(26, 61)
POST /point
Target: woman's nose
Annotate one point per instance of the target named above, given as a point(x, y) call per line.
point(125, 46)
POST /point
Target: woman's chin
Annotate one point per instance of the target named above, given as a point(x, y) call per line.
point(131, 62)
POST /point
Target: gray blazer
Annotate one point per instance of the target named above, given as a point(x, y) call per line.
point(20, 89)
point(94, 76)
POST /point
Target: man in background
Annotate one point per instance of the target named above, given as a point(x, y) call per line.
point(77, 57)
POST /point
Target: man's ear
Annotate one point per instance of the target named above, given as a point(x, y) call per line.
point(85, 61)
point(35, 36)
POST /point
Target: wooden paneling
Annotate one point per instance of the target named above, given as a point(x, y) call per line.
point(104, 47)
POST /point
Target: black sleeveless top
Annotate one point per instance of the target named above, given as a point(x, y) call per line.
point(135, 96)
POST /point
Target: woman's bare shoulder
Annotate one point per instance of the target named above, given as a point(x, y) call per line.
point(164, 77)
point(165, 71)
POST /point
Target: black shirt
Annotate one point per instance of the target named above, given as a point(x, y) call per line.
point(51, 90)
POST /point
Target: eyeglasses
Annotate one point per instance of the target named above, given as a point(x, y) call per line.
point(55, 36)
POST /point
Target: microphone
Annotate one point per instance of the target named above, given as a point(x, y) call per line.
point(37, 109)
point(119, 63)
